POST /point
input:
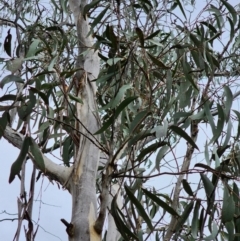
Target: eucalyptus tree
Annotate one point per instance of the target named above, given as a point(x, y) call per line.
point(121, 90)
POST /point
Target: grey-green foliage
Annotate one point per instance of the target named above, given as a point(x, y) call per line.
point(160, 72)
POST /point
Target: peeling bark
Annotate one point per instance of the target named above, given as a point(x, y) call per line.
point(82, 182)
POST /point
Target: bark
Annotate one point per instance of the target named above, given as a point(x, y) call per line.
point(82, 181)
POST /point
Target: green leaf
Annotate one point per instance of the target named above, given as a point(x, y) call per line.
point(8, 97)
point(210, 26)
point(37, 155)
point(114, 102)
point(140, 36)
point(169, 85)
point(195, 221)
point(208, 186)
point(228, 102)
point(187, 72)
point(33, 48)
point(228, 208)
point(179, 131)
point(236, 199)
point(17, 165)
point(52, 63)
point(25, 110)
point(160, 156)
point(238, 116)
point(232, 28)
point(119, 109)
point(121, 226)
point(161, 203)
point(140, 117)
point(87, 7)
point(181, 8)
point(153, 147)
point(206, 154)
point(230, 231)
point(67, 150)
point(153, 35)
point(113, 61)
point(187, 187)
point(209, 115)
point(221, 118)
point(3, 123)
point(75, 98)
point(231, 10)
point(43, 126)
point(158, 62)
point(184, 216)
point(104, 78)
point(99, 17)
point(139, 207)
point(228, 134)
point(138, 137)
point(10, 78)
point(8, 43)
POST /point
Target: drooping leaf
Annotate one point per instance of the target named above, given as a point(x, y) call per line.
point(231, 10)
point(139, 207)
point(228, 208)
point(140, 117)
point(228, 102)
point(160, 156)
point(153, 35)
point(26, 109)
point(228, 134)
point(99, 17)
point(119, 109)
point(210, 26)
point(158, 62)
point(161, 203)
point(181, 8)
point(187, 187)
point(3, 123)
point(151, 148)
point(179, 131)
point(121, 226)
point(8, 97)
point(17, 165)
point(195, 220)
point(208, 186)
point(37, 154)
point(140, 36)
point(230, 231)
point(221, 118)
point(10, 78)
point(8, 43)
point(33, 48)
point(140, 136)
point(67, 150)
point(238, 128)
point(75, 98)
point(43, 126)
point(114, 102)
point(184, 216)
point(89, 6)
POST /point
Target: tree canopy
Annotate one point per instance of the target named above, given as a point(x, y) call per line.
point(139, 101)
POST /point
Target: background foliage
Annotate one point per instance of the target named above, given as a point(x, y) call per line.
point(167, 96)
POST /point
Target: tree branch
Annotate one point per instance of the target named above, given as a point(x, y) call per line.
point(52, 170)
